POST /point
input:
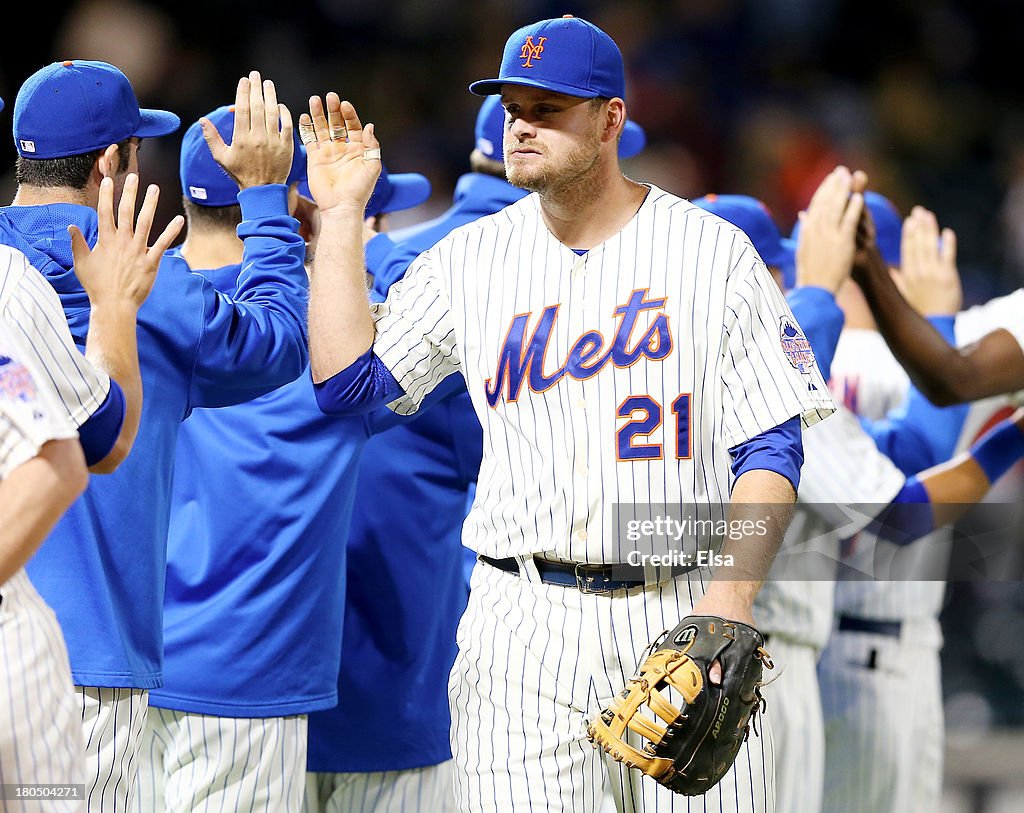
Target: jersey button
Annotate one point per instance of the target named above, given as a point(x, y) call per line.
point(582, 470)
point(582, 536)
point(582, 403)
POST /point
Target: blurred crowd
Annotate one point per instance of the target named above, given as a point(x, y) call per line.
point(761, 97)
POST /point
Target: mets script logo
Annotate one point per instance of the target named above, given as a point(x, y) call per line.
point(521, 358)
point(531, 51)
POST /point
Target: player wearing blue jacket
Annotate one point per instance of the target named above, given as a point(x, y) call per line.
point(406, 589)
point(253, 607)
point(103, 568)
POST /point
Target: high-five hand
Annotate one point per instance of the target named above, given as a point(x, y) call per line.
point(261, 145)
point(122, 267)
point(343, 157)
point(928, 276)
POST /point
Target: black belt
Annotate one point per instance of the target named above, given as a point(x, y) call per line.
point(850, 623)
point(585, 578)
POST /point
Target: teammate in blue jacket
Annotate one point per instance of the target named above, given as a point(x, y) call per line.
point(103, 568)
point(405, 572)
point(253, 607)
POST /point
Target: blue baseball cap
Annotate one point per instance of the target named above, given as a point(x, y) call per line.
point(754, 218)
point(1, 105)
point(77, 106)
point(888, 226)
point(566, 55)
point(490, 130)
point(391, 193)
point(203, 180)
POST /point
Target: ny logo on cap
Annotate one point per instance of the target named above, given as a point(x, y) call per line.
point(531, 51)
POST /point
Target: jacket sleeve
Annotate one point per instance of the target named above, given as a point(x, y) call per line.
point(256, 341)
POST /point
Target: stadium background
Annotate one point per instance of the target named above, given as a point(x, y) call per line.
point(760, 97)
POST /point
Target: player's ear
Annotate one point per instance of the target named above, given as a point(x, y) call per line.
point(615, 119)
point(106, 164)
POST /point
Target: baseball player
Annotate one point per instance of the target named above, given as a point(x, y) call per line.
point(103, 568)
point(880, 674)
point(432, 461)
point(794, 607)
point(255, 563)
point(45, 385)
point(42, 471)
point(559, 318)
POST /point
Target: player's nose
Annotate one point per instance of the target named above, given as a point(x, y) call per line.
point(520, 128)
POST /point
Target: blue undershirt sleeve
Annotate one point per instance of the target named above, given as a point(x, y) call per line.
point(366, 384)
point(907, 518)
point(100, 432)
point(779, 449)
point(918, 434)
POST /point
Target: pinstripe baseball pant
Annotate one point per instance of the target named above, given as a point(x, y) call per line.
point(535, 662)
point(798, 730)
point(882, 700)
point(202, 762)
point(417, 790)
point(112, 720)
point(40, 733)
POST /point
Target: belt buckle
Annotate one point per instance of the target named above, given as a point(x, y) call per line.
point(584, 581)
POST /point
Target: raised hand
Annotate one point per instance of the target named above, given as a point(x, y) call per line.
point(928, 276)
point(121, 269)
point(828, 230)
point(342, 156)
point(261, 146)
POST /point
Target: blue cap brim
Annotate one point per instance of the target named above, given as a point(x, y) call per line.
point(633, 140)
point(408, 189)
point(1, 104)
point(156, 123)
point(490, 87)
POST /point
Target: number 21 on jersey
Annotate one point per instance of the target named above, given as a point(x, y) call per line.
point(645, 418)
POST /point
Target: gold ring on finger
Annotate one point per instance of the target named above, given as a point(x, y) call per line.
point(307, 135)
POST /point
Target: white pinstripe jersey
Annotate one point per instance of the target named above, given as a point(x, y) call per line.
point(620, 376)
point(842, 466)
point(34, 313)
point(917, 601)
point(29, 414)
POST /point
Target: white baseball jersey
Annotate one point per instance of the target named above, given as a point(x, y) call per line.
point(916, 601)
point(40, 735)
point(620, 376)
point(866, 378)
point(842, 467)
point(34, 314)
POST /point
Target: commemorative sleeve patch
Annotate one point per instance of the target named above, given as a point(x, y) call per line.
point(795, 345)
point(15, 382)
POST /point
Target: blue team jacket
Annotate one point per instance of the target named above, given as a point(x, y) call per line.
point(263, 493)
point(102, 569)
point(406, 589)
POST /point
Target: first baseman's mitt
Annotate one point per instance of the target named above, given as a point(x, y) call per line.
point(699, 742)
